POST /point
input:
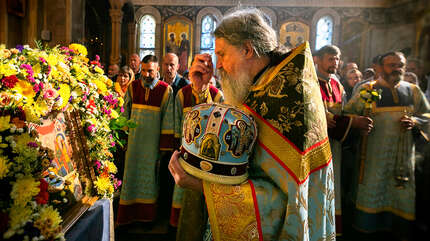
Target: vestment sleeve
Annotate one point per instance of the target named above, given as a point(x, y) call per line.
point(167, 125)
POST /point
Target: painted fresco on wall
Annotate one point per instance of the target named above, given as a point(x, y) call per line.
point(353, 40)
point(178, 38)
point(292, 34)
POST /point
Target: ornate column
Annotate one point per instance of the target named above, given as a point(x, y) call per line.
point(131, 39)
point(116, 19)
point(68, 33)
point(31, 22)
point(3, 23)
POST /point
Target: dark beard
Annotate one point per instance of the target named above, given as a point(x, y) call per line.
point(331, 70)
point(394, 77)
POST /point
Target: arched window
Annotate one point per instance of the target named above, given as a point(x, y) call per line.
point(207, 40)
point(147, 36)
point(324, 32)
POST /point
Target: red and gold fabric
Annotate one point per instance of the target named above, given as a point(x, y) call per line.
point(333, 96)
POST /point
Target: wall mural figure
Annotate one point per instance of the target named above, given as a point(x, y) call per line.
point(178, 32)
point(293, 34)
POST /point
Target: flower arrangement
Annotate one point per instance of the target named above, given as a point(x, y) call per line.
point(369, 96)
point(34, 84)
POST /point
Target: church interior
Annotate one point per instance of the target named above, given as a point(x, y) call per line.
point(113, 30)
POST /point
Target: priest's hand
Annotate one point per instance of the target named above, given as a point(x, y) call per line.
point(363, 123)
point(331, 123)
point(406, 122)
point(181, 177)
point(201, 72)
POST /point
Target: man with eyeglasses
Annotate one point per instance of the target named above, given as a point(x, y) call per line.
point(385, 192)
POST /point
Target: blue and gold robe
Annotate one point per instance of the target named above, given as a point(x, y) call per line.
point(290, 191)
point(380, 199)
point(185, 100)
point(334, 98)
point(151, 108)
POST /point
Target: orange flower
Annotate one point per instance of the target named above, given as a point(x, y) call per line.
point(18, 123)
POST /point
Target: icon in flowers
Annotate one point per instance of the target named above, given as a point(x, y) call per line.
point(37, 84)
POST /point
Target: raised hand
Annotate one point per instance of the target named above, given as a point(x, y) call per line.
point(201, 71)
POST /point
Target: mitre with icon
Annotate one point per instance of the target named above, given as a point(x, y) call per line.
point(217, 142)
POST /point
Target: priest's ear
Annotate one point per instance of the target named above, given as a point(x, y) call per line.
point(248, 50)
point(316, 59)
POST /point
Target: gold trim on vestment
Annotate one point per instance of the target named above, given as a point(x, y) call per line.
point(233, 180)
point(166, 95)
point(264, 81)
point(406, 109)
point(145, 107)
point(397, 212)
point(180, 95)
point(218, 97)
point(300, 164)
point(231, 211)
point(137, 200)
point(175, 205)
point(167, 132)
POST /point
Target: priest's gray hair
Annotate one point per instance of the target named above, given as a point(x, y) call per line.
point(248, 25)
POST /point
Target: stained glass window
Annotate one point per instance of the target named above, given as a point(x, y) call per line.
point(324, 32)
point(207, 41)
point(147, 36)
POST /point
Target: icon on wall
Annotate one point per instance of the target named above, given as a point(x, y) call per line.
point(178, 39)
point(292, 34)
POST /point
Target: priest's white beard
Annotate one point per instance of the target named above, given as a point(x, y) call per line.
point(235, 89)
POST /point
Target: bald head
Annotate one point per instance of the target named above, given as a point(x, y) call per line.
point(170, 67)
point(134, 63)
point(113, 70)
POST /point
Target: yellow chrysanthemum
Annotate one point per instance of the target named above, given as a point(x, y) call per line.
point(78, 48)
point(111, 166)
point(79, 74)
point(100, 86)
point(24, 189)
point(50, 215)
point(19, 215)
point(108, 82)
point(41, 108)
point(104, 186)
point(4, 123)
point(24, 88)
point(117, 88)
point(52, 60)
point(8, 69)
point(99, 70)
point(30, 114)
point(4, 167)
point(114, 114)
point(37, 69)
point(64, 93)
point(120, 101)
